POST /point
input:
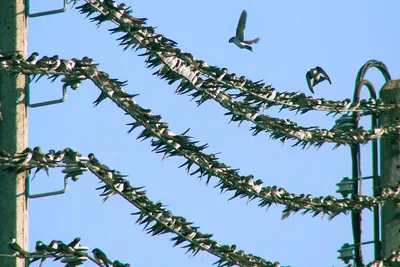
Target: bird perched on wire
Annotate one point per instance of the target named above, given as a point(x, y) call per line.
point(101, 257)
point(315, 76)
point(239, 38)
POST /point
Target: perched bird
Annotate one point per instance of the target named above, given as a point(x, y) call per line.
point(239, 38)
point(117, 263)
point(41, 249)
point(54, 63)
point(14, 246)
point(75, 243)
point(42, 63)
point(315, 76)
point(24, 157)
point(63, 248)
point(38, 155)
point(32, 59)
point(22, 161)
point(101, 257)
point(95, 162)
point(53, 246)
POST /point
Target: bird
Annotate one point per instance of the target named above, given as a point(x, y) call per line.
point(40, 249)
point(14, 246)
point(54, 63)
point(239, 38)
point(32, 59)
point(95, 162)
point(101, 257)
point(315, 76)
point(53, 246)
point(75, 243)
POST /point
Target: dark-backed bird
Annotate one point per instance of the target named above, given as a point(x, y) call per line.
point(315, 76)
point(101, 257)
point(239, 38)
point(32, 59)
point(16, 247)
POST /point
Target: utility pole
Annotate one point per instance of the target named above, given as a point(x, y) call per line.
point(390, 168)
point(13, 133)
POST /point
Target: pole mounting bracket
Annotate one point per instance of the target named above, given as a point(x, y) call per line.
point(45, 13)
point(47, 194)
point(46, 103)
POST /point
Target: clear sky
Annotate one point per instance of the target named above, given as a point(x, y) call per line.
point(339, 36)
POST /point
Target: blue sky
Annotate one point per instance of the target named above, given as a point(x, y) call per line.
point(339, 36)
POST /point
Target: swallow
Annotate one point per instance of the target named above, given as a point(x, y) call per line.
point(75, 243)
point(117, 263)
point(70, 156)
point(42, 63)
point(38, 155)
point(64, 65)
point(315, 76)
point(87, 61)
point(53, 246)
point(95, 162)
point(11, 56)
point(22, 161)
point(54, 63)
point(14, 246)
point(59, 155)
point(239, 38)
point(227, 249)
point(120, 11)
point(24, 157)
point(101, 257)
point(32, 59)
point(50, 156)
point(63, 249)
point(41, 249)
point(257, 186)
point(70, 64)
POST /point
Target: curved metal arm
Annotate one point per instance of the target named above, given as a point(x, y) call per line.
point(355, 152)
point(372, 64)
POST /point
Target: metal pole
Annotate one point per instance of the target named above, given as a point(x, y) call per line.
point(13, 133)
point(390, 168)
point(376, 184)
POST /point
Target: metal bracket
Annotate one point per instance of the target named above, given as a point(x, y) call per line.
point(53, 193)
point(346, 252)
point(45, 13)
point(46, 103)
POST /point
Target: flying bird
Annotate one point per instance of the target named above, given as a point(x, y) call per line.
point(239, 38)
point(315, 76)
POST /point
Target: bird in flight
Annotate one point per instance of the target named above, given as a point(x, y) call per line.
point(315, 76)
point(239, 38)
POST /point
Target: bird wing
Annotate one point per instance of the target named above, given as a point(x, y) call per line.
point(309, 81)
point(241, 25)
point(321, 70)
point(252, 41)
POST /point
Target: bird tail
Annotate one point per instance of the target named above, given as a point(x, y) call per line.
point(248, 48)
point(252, 41)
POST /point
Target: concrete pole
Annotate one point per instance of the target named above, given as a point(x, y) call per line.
point(390, 169)
point(13, 132)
